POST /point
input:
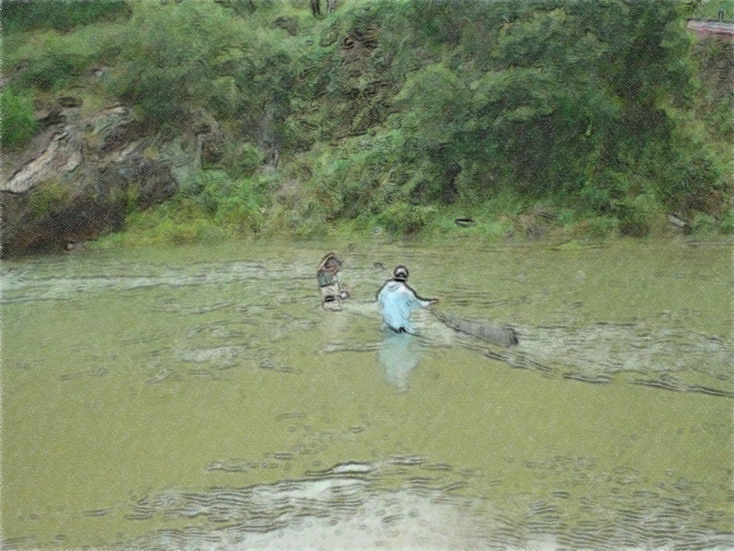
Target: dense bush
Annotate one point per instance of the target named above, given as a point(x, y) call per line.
point(581, 101)
point(180, 58)
point(390, 112)
point(52, 69)
point(168, 58)
point(18, 122)
point(24, 15)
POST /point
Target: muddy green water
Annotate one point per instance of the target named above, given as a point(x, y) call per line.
point(199, 397)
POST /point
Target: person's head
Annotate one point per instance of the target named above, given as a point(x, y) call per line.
point(400, 273)
point(330, 263)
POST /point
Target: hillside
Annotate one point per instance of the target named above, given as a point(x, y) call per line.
point(196, 119)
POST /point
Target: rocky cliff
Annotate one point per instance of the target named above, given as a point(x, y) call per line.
point(83, 172)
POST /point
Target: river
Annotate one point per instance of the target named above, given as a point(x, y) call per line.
point(198, 396)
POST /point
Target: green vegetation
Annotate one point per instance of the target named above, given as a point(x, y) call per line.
point(711, 9)
point(22, 15)
point(532, 117)
point(18, 123)
point(51, 197)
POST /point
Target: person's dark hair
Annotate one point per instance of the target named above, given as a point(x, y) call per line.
point(400, 273)
point(329, 261)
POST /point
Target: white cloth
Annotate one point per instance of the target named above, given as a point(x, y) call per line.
point(397, 300)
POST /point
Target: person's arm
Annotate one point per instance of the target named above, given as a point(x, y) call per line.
point(343, 289)
point(418, 301)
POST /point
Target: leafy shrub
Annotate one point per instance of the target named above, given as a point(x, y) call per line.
point(637, 216)
point(243, 160)
point(602, 193)
point(703, 223)
point(715, 98)
point(226, 201)
point(48, 197)
point(168, 59)
point(50, 69)
point(50, 60)
point(689, 170)
point(24, 15)
point(18, 122)
point(405, 219)
point(600, 227)
point(180, 58)
point(726, 225)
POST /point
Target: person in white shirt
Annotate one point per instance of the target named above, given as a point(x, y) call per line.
point(397, 300)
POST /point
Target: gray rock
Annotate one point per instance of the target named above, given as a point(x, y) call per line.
point(78, 177)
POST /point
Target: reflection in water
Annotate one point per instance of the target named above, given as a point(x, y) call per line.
point(399, 356)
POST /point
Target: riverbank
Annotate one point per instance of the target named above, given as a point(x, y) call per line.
point(181, 121)
point(419, 225)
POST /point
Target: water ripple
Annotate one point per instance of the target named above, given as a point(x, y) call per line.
point(670, 358)
point(348, 502)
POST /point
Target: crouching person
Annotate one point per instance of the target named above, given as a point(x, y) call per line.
point(327, 276)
